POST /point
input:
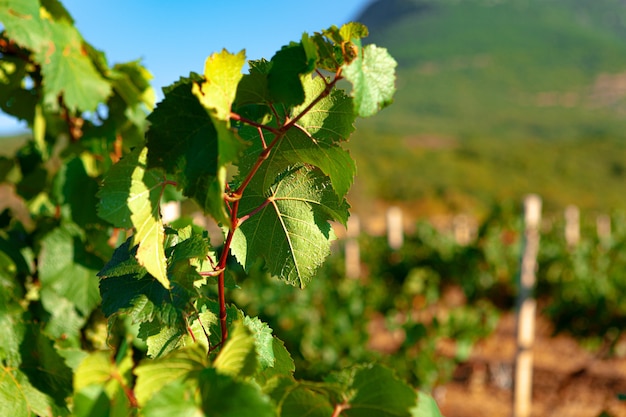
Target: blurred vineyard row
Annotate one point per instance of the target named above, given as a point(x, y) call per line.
point(422, 307)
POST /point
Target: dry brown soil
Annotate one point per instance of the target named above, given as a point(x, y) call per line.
point(568, 381)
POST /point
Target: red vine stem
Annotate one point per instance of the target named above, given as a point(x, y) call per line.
point(339, 408)
point(235, 196)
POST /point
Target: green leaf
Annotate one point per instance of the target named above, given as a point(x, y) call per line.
point(175, 399)
point(284, 75)
point(183, 140)
point(223, 396)
point(222, 73)
point(426, 406)
point(14, 98)
point(332, 118)
point(378, 393)
point(238, 357)
point(263, 341)
point(75, 191)
point(68, 270)
point(63, 61)
point(99, 385)
point(291, 232)
point(372, 74)
point(303, 401)
point(93, 401)
point(19, 398)
point(44, 367)
point(22, 23)
point(161, 339)
point(353, 30)
point(123, 262)
point(314, 140)
point(131, 195)
point(153, 375)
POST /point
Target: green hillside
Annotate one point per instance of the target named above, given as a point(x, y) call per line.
point(497, 99)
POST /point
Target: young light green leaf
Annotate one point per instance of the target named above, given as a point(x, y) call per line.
point(426, 406)
point(94, 401)
point(222, 73)
point(238, 357)
point(353, 30)
point(99, 384)
point(153, 375)
point(144, 199)
point(291, 232)
point(130, 196)
point(372, 74)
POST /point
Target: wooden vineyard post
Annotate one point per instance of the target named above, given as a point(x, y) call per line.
point(526, 309)
point(572, 226)
point(395, 228)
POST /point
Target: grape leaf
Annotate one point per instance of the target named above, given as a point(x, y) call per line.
point(63, 61)
point(99, 384)
point(153, 375)
point(314, 140)
point(378, 393)
point(175, 399)
point(283, 80)
point(131, 195)
point(263, 341)
point(300, 398)
point(45, 368)
point(93, 401)
point(224, 396)
point(67, 269)
point(14, 98)
point(238, 357)
point(126, 287)
point(222, 72)
point(19, 398)
point(372, 74)
point(353, 30)
point(183, 140)
point(75, 191)
point(332, 118)
point(99, 368)
point(291, 232)
point(426, 406)
point(22, 23)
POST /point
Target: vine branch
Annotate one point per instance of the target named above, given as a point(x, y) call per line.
point(235, 196)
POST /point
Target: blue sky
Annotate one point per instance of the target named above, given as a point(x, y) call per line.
point(173, 38)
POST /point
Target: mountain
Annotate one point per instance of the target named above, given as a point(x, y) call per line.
point(497, 99)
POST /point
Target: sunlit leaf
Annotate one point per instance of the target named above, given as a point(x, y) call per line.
point(372, 74)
